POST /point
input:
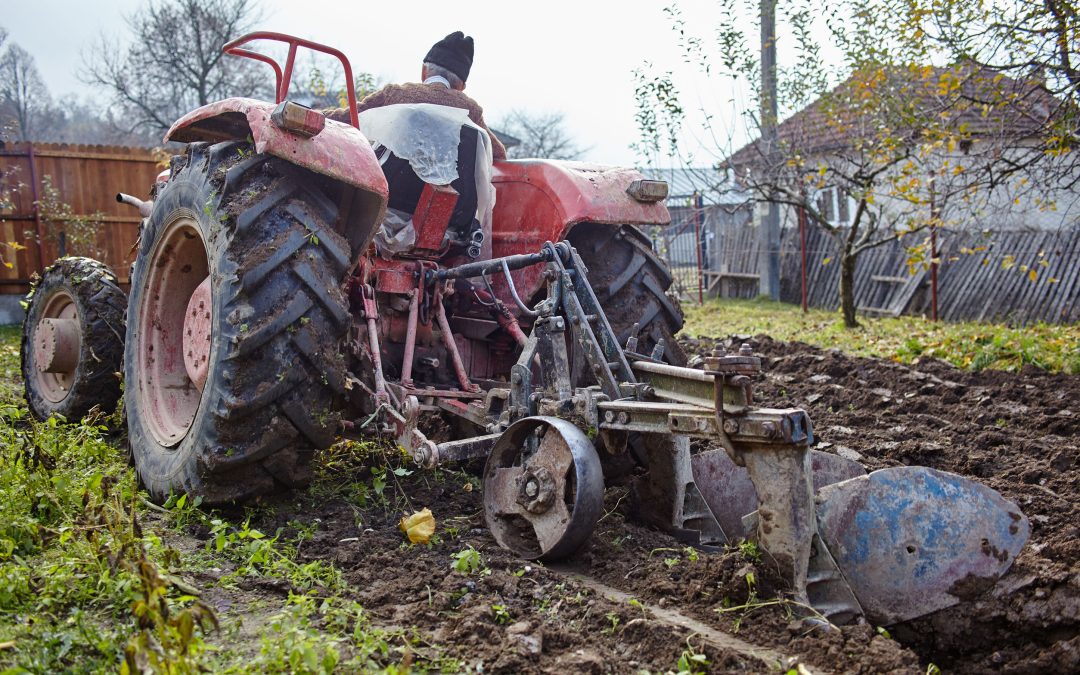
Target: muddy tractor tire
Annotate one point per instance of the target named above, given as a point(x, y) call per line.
point(73, 340)
point(631, 283)
point(235, 324)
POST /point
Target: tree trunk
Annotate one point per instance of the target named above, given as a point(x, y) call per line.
point(847, 287)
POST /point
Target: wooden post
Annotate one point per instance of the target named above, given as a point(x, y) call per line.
point(37, 210)
point(802, 253)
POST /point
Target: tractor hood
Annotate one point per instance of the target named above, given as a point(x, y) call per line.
point(579, 192)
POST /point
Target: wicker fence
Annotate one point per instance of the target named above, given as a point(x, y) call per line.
point(1015, 276)
point(84, 181)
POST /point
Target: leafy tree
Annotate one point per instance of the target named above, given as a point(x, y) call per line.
point(1034, 40)
point(888, 145)
point(542, 135)
point(175, 62)
point(324, 85)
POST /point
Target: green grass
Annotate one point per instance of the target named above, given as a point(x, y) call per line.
point(89, 582)
point(968, 345)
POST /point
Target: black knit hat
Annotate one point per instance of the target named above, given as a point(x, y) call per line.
point(454, 52)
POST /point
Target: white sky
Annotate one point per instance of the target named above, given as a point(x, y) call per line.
point(570, 56)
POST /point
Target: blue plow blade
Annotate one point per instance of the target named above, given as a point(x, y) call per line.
point(730, 494)
point(913, 540)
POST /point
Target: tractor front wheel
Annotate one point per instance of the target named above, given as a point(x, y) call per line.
point(73, 340)
point(235, 323)
point(631, 283)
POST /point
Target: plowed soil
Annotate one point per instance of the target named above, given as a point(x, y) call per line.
point(635, 598)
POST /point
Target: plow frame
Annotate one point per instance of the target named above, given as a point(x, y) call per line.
point(572, 367)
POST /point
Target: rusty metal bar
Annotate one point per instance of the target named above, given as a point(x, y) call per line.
point(476, 269)
point(451, 346)
point(410, 339)
point(933, 274)
point(698, 221)
point(685, 385)
point(802, 256)
point(477, 447)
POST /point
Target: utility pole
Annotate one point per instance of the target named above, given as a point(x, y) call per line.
point(769, 234)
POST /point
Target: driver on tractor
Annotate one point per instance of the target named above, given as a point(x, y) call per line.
point(418, 131)
point(445, 70)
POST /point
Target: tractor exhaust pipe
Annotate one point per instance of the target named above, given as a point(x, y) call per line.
point(144, 207)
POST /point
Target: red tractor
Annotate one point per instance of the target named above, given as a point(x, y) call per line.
point(297, 281)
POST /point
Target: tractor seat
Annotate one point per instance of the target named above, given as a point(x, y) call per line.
point(406, 187)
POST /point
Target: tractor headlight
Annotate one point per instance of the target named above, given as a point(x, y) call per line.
point(648, 190)
point(298, 119)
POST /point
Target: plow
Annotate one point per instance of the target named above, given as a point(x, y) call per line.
point(299, 280)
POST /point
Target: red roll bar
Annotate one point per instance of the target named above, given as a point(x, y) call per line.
point(235, 48)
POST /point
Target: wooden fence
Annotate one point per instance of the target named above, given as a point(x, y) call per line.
point(86, 178)
point(1014, 276)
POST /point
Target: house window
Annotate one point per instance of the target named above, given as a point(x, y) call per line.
point(835, 205)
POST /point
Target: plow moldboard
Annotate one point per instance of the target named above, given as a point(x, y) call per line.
point(913, 540)
point(730, 494)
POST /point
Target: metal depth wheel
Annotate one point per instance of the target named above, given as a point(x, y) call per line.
point(73, 340)
point(543, 488)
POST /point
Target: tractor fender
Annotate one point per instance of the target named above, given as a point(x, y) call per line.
point(542, 200)
point(339, 151)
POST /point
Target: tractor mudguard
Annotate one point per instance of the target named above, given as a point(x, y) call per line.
point(339, 151)
point(542, 200)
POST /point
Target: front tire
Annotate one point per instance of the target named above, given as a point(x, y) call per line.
point(73, 340)
point(631, 283)
point(235, 322)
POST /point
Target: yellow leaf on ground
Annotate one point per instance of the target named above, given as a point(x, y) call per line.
point(7, 645)
point(419, 526)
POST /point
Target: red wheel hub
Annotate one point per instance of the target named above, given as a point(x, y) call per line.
point(174, 332)
point(197, 324)
point(57, 345)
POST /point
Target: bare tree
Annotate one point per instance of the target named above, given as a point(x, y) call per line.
point(879, 156)
point(24, 100)
point(542, 136)
point(175, 62)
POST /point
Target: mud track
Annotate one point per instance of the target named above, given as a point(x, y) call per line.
point(634, 598)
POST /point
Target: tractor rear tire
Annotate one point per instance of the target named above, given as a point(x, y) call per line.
point(246, 242)
point(84, 291)
point(631, 283)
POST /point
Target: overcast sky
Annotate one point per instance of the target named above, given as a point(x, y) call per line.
point(570, 56)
